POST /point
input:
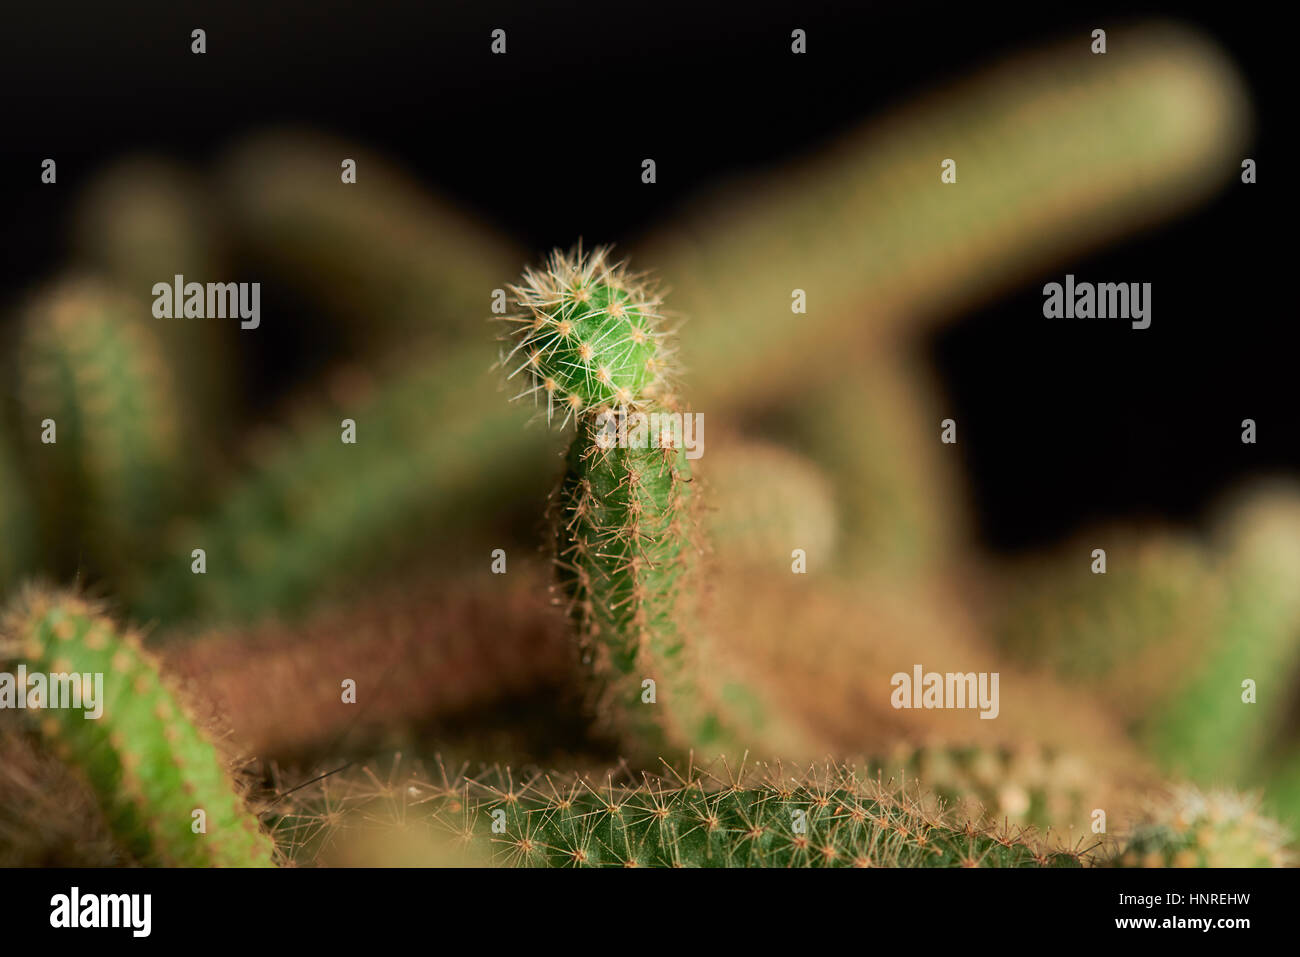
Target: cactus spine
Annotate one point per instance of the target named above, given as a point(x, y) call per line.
point(149, 764)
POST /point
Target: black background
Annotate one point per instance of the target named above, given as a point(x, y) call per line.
point(1061, 424)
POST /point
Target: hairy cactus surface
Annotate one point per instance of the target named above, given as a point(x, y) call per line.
point(625, 549)
point(150, 765)
point(586, 332)
point(588, 335)
point(825, 816)
point(49, 816)
point(414, 657)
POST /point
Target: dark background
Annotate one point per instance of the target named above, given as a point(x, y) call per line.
point(1061, 424)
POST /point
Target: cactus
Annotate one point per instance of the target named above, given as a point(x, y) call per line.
point(1132, 634)
point(149, 764)
point(835, 677)
point(587, 335)
point(84, 362)
point(625, 549)
point(314, 516)
point(1057, 151)
point(1172, 629)
point(766, 501)
point(142, 221)
point(1191, 828)
point(1025, 785)
point(1208, 731)
point(415, 658)
point(382, 252)
point(827, 816)
point(874, 431)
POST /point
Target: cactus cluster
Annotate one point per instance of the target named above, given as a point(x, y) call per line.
point(366, 560)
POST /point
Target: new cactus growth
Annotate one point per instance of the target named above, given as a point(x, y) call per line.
point(588, 335)
point(151, 766)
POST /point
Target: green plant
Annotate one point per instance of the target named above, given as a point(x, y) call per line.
point(588, 337)
point(151, 766)
point(416, 658)
point(313, 516)
point(823, 816)
point(99, 415)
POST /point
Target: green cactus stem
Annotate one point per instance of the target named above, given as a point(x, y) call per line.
point(828, 816)
point(144, 220)
point(587, 337)
point(625, 548)
point(390, 260)
point(314, 516)
point(150, 765)
point(765, 501)
point(90, 368)
point(1057, 151)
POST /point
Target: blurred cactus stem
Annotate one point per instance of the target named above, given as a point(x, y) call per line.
point(382, 253)
point(1057, 151)
point(100, 419)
